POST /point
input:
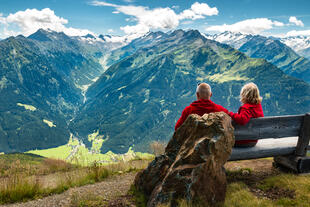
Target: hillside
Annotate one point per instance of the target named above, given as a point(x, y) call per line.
point(36, 100)
point(68, 56)
point(25, 177)
point(139, 98)
point(271, 49)
point(43, 79)
point(147, 40)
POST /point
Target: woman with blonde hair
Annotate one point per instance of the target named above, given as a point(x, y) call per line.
point(251, 108)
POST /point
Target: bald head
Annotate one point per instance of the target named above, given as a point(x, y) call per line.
point(203, 91)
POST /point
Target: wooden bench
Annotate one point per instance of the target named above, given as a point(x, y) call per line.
point(286, 138)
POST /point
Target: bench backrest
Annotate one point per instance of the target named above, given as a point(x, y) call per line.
point(269, 127)
point(278, 127)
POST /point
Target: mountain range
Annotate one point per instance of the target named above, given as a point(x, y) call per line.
point(32, 91)
point(132, 92)
point(269, 48)
point(300, 44)
point(139, 98)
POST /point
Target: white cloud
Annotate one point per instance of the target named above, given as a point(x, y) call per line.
point(295, 21)
point(138, 29)
point(204, 9)
point(131, 19)
point(2, 19)
point(278, 24)
point(298, 33)
point(190, 14)
point(102, 3)
point(198, 11)
point(187, 22)
point(161, 18)
point(75, 32)
point(29, 21)
point(251, 26)
point(157, 18)
point(32, 19)
point(110, 30)
point(7, 33)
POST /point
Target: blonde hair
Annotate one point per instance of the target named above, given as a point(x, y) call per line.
point(250, 94)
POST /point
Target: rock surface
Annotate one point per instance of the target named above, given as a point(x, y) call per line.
point(192, 166)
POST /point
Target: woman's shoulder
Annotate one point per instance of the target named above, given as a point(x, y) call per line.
point(250, 106)
point(255, 110)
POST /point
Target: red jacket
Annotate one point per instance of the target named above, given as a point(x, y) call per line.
point(245, 113)
point(200, 107)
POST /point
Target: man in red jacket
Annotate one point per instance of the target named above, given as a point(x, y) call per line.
point(202, 106)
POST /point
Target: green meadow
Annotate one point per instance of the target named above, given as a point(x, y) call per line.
point(77, 153)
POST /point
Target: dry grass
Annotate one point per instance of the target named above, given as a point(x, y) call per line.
point(55, 165)
point(157, 148)
point(27, 164)
point(22, 179)
point(17, 188)
point(87, 200)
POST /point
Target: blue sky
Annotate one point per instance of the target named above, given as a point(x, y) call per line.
point(135, 17)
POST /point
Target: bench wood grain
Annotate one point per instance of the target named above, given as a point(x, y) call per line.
point(286, 138)
point(269, 127)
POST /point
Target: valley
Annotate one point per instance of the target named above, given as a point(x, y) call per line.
point(130, 93)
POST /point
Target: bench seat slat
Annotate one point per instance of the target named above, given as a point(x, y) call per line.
point(266, 148)
point(266, 127)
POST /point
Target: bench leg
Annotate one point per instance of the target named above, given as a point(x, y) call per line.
point(295, 163)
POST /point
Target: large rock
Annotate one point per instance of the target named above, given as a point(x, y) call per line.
point(192, 166)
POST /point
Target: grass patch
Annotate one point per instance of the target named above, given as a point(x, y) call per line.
point(17, 188)
point(22, 157)
point(239, 195)
point(157, 148)
point(138, 197)
point(30, 179)
point(28, 107)
point(76, 152)
point(299, 184)
point(30, 164)
point(257, 187)
point(88, 200)
point(250, 188)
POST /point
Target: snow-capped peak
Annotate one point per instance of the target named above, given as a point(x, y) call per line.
point(298, 43)
point(236, 40)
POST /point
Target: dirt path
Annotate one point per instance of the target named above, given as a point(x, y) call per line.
point(256, 165)
point(112, 192)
